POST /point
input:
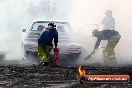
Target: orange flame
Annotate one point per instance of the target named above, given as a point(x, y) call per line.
point(82, 72)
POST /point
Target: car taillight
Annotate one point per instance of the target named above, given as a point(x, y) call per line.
point(71, 50)
point(74, 48)
point(30, 40)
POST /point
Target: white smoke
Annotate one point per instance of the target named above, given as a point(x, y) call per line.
point(92, 12)
point(18, 14)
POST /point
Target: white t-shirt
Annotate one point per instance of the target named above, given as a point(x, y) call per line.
point(109, 23)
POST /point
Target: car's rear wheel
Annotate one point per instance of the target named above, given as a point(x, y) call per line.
point(2, 56)
point(32, 57)
point(75, 55)
point(70, 59)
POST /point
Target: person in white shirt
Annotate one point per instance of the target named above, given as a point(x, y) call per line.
point(108, 21)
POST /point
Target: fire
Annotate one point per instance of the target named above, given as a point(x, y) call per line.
point(82, 72)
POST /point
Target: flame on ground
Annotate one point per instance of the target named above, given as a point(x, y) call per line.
point(81, 71)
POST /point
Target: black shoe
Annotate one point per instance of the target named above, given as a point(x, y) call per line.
point(46, 64)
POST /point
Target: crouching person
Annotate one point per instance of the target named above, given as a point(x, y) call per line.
point(113, 38)
point(45, 43)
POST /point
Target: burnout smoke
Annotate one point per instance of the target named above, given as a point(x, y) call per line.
point(92, 12)
point(18, 14)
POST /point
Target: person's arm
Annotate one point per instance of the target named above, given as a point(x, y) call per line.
point(41, 32)
point(97, 44)
point(40, 38)
point(55, 36)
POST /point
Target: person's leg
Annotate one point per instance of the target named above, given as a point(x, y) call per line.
point(103, 46)
point(112, 42)
point(42, 53)
point(47, 52)
point(111, 59)
point(104, 55)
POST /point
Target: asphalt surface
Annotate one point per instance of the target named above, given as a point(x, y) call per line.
point(39, 76)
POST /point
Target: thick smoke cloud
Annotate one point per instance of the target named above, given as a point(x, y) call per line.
point(92, 12)
point(18, 14)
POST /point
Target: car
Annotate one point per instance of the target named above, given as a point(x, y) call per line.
point(67, 44)
point(2, 55)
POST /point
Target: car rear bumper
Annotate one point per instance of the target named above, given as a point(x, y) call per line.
point(62, 50)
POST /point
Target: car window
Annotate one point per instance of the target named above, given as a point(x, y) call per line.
point(39, 26)
point(61, 27)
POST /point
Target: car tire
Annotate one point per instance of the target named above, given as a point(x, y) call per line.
point(32, 57)
point(2, 57)
point(74, 58)
point(76, 55)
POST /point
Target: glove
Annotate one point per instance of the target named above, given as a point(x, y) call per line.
point(55, 45)
point(93, 52)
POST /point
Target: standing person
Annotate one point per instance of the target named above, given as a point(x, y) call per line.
point(45, 43)
point(113, 38)
point(108, 21)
